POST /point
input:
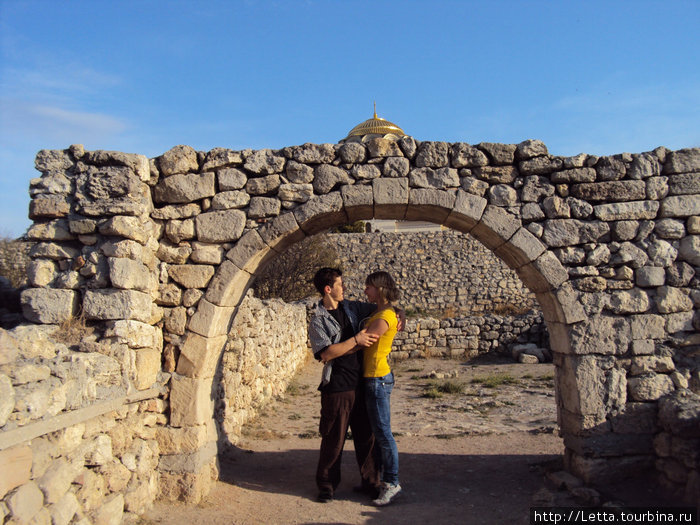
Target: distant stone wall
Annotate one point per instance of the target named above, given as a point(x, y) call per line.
point(265, 348)
point(437, 272)
point(468, 337)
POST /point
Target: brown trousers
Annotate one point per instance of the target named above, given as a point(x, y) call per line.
point(338, 411)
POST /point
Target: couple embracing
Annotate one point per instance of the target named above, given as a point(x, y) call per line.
point(353, 340)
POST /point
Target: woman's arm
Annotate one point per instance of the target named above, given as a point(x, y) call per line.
point(378, 327)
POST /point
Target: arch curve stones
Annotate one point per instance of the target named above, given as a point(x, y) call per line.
point(609, 246)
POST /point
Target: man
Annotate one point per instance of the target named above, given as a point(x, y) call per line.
point(335, 336)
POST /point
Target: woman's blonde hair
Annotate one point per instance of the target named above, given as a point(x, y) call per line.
point(384, 282)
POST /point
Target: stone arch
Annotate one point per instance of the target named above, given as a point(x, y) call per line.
point(501, 232)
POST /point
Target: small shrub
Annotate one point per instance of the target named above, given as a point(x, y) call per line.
point(432, 393)
point(494, 380)
point(73, 330)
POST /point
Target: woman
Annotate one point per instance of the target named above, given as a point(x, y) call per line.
point(381, 289)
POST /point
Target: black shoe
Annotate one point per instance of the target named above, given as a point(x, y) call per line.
point(325, 496)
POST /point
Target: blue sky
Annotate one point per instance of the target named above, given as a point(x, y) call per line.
point(600, 77)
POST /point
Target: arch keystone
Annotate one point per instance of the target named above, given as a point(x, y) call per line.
point(358, 201)
point(429, 205)
point(390, 198)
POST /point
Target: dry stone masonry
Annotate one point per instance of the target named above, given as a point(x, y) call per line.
point(161, 252)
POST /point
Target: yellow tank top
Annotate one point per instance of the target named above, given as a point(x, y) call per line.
point(374, 357)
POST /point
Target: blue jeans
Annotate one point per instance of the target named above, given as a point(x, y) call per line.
point(378, 398)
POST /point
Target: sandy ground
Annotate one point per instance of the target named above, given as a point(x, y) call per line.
point(478, 456)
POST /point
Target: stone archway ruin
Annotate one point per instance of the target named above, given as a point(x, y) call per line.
point(609, 245)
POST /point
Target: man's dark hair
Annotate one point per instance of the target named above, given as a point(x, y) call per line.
point(326, 277)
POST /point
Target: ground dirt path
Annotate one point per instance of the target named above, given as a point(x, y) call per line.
point(479, 456)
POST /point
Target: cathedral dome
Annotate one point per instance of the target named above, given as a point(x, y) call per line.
point(374, 127)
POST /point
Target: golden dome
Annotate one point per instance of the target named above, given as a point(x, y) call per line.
point(375, 126)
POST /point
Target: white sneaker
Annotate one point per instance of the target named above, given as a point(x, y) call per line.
point(387, 492)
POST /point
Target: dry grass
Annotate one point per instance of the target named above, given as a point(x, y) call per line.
point(72, 331)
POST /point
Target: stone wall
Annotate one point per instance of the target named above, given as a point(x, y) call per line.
point(469, 337)
point(610, 246)
point(266, 346)
point(79, 443)
point(444, 272)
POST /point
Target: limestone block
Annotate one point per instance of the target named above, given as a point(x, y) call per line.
point(298, 173)
point(562, 305)
point(609, 168)
point(627, 190)
point(53, 251)
point(220, 226)
point(569, 232)
point(261, 207)
point(543, 274)
point(185, 188)
point(190, 401)
point(629, 254)
point(467, 212)
point(48, 160)
point(41, 272)
point(49, 306)
point(220, 157)
point(116, 476)
point(192, 462)
point(582, 387)
point(169, 295)
point(680, 206)
point(179, 159)
point(295, 192)
point(649, 387)
point(26, 502)
point(183, 440)
point(49, 206)
point(229, 285)
point(432, 155)
point(16, 467)
point(191, 275)
point(211, 320)
point(327, 177)
point(543, 165)
point(429, 205)
point(495, 227)
point(56, 230)
point(281, 232)
point(263, 185)
point(634, 301)
point(621, 211)
point(319, 213)
point(463, 155)
point(147, 367)
point(205, 253)
point(670, 229)
point(178, 231)
point(496, 174)
point(642, 347)
point(352, 152)
point(650, 276)
point(173, 254)
point(176, 320)
point(265, 162)
point(522, 248)
point(358, 201)
point(440, 179)
point(117, 304)
point(125, 226)
point(636, 418)
point(647, 326)
point(250, 252)
point(644, 165)
point(175, 211)
point(689, 249)
point(111, 512)
point(231, 179)
point(9, 348)
point(601, 335)
point(133, 333)
point(693, 225)
point(390, 198)
point(57, 479)
point(23, 373)
point(187, 487)
point(62, 511)
point(682, 161)
point(129, 274)
point(473, 185)
point(396, 167)
point(381, 147)
point(679, 322)
point(502, 195)
point(661, 253)
point(572, 175)
point(362, 172)
point(111, 190)
point(314, 153)
point(656, 188)
point(138, 163)
point(670, 300)
point(679, 413)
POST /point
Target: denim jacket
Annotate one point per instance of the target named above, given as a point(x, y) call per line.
point(324, 330)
